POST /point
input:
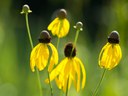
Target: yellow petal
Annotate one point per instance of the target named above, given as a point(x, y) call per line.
point(103, 57)
point(33, 56)
point(53, 23)
point(77, 69)
point(73, 75)
point(54, 53)
point(83, 72)
point(65, 85)
point(44, 55)
point(58, 69)
point(39, 57)
point(58, 83)
point(64, 28)
point(110, 56)
point(54, 57)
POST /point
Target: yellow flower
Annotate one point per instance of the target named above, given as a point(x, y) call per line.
point(60, 25)
point(40, 54)
point(110, 54)
point(69, 70)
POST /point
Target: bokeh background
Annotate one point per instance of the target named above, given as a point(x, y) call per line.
point(99, 18)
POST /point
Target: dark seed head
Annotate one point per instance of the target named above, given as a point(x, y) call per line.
point(62, 13)
point(70, 50)
point(44, 37)
point(114, 37)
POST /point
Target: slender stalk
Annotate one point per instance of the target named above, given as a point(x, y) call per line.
point(58, 43)
point(39, 82)
point(67, 88)
point(76, 37)
point(31, 43)
point(50, 85)
point(98, 85)
point(28, 30)
point(48, 71)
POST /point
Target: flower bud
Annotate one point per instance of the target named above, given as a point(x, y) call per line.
point(79, 26)
point(25, 9)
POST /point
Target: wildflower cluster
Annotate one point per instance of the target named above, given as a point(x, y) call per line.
point(71, 68)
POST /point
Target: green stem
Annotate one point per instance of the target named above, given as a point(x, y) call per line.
point(50, 85)
point(31, 43)
point(58, 43)
point(39, 82)
point(76, 37)
point(28, 30)
point(98, 86)
point(67, 88)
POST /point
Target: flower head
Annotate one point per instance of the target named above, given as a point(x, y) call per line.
point(110, 54)
point(40, 53)
point(79, 26)
point(25, 9)
point(60, 25)
point(68, 70)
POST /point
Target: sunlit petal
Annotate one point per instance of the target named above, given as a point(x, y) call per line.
point(110, 56)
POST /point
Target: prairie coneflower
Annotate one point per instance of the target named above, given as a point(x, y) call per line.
point(60, 25)
point(110, 54)
point(40, 53)
point(69, 70)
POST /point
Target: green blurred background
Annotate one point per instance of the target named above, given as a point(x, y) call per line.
point(99, 17)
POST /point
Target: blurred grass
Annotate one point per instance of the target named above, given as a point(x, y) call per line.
point(16, 78)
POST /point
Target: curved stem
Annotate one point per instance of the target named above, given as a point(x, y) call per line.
point(31, 43)
point(98, 86)
point(28, 30)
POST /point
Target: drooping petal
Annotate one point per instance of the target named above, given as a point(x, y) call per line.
point(66, 74)
point(54, 57)
point(52, 24)
point(59, 27)
point(65, 84)
point(64, 25)
point(77, 69)
point(58, 83)
point(44, 55)
point(39, 57)
point(32, 57)
point(116, 55)
point(73, 75)
point(110, 56)
point(83, 72)
point(103, 57)
point(57, 70)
